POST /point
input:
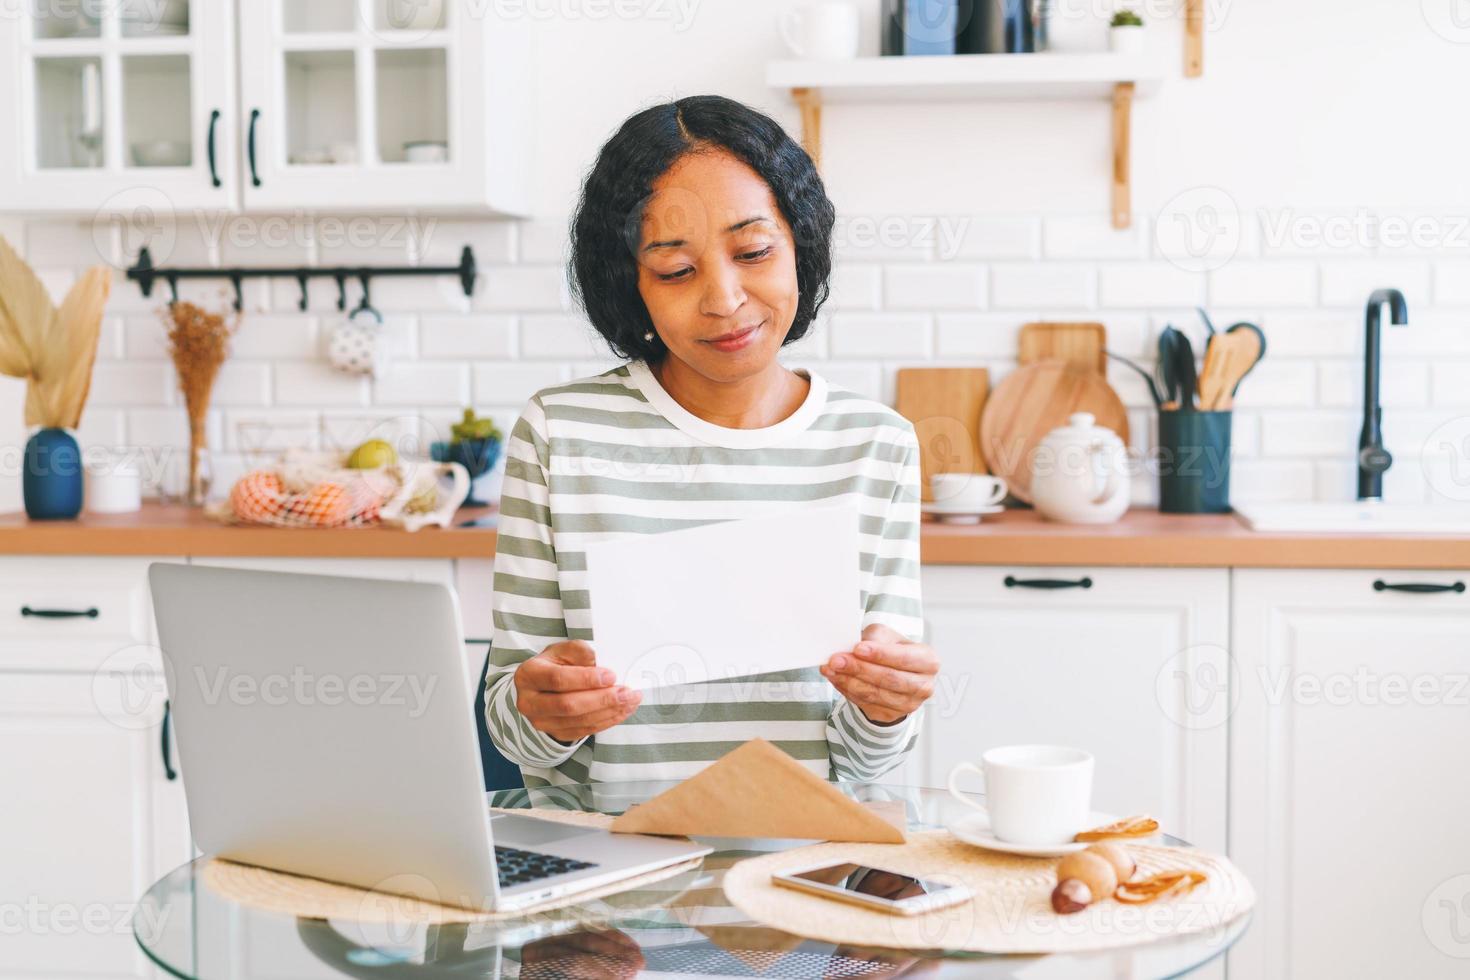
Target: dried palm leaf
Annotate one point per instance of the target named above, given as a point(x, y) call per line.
point(64, 369)
point(25, 314)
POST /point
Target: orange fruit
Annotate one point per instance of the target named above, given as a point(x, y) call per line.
point(327, 504)
point(257, 496)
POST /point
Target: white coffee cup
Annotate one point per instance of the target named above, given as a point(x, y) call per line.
point(1034, 794)
point(971, 491)
point(114, 483)
point(824, 31)
point(357, 345)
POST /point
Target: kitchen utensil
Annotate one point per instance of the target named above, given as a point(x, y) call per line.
point(1149, 379)
point(822, 31)
point(1082, 344)
point(1251, 346)
point(974, 828)
point(1079, 474)
point(944, 405)
point(1034, 794)
point(1209, 324)
point(1229, 358)
point(970, 492)
point(1168, 374)
point(1184, 370)
point(1031, 402)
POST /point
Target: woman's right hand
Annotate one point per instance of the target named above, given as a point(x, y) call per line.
point(561, 691)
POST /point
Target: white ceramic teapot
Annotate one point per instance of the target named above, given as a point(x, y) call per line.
point(1079, 473)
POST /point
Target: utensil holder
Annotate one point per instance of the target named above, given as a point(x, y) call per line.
point(1194, 462)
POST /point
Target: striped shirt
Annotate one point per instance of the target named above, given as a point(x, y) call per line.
point(614, 455)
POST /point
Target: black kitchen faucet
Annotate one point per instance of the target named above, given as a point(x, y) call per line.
point(1373, 459)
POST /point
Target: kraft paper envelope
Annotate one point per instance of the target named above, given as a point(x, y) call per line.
point(726, 600)
point(758, 791)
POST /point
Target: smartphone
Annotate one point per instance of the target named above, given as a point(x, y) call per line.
point(874, 888)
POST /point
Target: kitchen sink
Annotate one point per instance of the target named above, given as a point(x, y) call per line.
point(1360, 517)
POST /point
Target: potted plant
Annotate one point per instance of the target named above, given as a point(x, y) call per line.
point(475, 445)
point(1126, 33)
point(53, 348)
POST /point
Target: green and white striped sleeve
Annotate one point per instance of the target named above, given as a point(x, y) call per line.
point(860, 749)
point(527, 602)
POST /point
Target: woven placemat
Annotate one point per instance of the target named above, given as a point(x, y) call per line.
point(1011, 911)
point(311, 898)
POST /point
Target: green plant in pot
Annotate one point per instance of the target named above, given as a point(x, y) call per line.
point(53, 348)
point(474, 444)
point(1127, 34)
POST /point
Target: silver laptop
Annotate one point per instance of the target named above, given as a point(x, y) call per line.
point(325, 728)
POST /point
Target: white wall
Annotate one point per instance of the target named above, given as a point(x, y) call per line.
point(1313, 117)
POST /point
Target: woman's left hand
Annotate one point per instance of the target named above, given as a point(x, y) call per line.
point(887, 676)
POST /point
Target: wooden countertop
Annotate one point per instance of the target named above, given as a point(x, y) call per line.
point(1017, 537)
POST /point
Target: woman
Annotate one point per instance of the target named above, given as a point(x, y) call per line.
point(701, 245)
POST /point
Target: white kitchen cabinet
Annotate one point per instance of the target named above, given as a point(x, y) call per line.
point(339, 97)
point(1123, 666)
point(119, 107)
point(131, 108)
point(74, 613)
point(1349, 803)
point(91, 822)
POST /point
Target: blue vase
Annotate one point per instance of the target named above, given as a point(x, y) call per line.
point(51, 476)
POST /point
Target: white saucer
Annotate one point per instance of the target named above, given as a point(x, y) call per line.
point(958, 514)
point(974, 828)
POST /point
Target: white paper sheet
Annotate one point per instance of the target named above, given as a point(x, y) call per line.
point(727, 600)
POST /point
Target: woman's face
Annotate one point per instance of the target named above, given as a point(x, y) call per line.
point(717, 266)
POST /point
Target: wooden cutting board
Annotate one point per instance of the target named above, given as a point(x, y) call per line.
point(945, 404)
point(1082, 344)
point(1033, 400)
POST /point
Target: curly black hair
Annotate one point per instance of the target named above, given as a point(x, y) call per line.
point(606, 228)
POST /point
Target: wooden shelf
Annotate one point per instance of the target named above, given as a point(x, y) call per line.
point(1117, 78)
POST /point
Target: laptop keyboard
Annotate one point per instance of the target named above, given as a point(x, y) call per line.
point(515, 866)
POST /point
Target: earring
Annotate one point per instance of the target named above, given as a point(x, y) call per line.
point(648, 336)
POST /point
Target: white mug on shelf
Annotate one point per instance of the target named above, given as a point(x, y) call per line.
point(357, 345)
point(1034, 794)
point(827, 30)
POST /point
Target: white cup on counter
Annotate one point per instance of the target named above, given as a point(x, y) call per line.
point(828, 30)
point(968, 491)
point(1034, 794)
point(114, 482)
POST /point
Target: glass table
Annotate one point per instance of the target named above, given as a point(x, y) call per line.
point(678, 927)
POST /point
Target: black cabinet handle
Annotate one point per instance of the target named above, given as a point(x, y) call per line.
point(164, 746)
point(213, 170)
point(1012, 582)
point(250, 147)
point(1421, 587)
point(59, 613)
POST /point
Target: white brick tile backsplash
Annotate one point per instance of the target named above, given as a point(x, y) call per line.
point(513, 288)
point(1093, 237)
point(313, 383)
point(1048, 285)
point(1149, 284)
point(865, 379)
point(1448, 479)
point(941, 286)
point(111, 339)
point(1337, 480)
point(543, 241)
point(1316, 433)
point(887, 237)
point(1279, 283)
point(559, 337)
point(423, 384)
point(1450, 383)
point(466, 336)
point(1312, 335)
point(1245, 433)
point(261, 433)
point(1270, 480)
point(880, 335)
point(1401, 384)
point(855, 287)
point(102, 427)
point(1451, 283)
point(265, 240)
point(1350, 282)
point(1429, 333)
point(65, 244)
point(242, 383)
point(145, 338)
point(130, 383)
point(276, 338)
point(430, 294)
point(1411, 434)
point(366, 239)
point(169, 427)
point(346, 430)
point(1278, 384)
point(514, 384)
point(979, 237)
point(971, 335)
point(439, 241)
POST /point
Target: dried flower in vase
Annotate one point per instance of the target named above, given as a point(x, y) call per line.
point(199, 343)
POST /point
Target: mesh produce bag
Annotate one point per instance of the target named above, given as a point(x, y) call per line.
point(310, 490)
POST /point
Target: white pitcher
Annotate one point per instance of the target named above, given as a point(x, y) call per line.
point(1079, 474)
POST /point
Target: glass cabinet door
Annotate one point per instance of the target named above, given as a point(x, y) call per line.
point(366, 104)
point(121, 104)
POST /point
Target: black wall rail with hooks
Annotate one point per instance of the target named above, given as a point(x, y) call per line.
point(145, 274)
